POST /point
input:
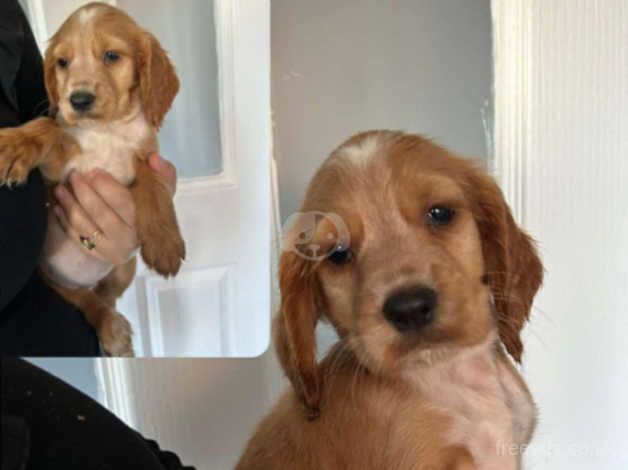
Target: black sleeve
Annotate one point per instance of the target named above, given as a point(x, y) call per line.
point(22, 211)
point(23, 95)
point(31, 91)
point(22, 231)
point(37, 322)
point(58, 427)
point(34, 320)
point(15, 442)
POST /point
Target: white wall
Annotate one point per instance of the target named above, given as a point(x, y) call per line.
point(562, 123)
point(339, 67)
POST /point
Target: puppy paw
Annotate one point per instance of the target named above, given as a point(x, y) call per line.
point(115, 336)
point(164, 254)
point(17, 157)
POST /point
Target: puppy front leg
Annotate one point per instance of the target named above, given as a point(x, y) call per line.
point(162, 246)
point(26, 147)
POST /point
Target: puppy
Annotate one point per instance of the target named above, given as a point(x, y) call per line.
point(109, 84)
point(426, 280)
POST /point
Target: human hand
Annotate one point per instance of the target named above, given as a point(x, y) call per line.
point(99, 213)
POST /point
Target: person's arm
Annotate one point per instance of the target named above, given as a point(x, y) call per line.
point(22, 231)
point(29, 82)
point(23, 95)
point(55, 426)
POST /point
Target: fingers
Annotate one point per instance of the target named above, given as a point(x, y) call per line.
point(116, 196)
point(75, 216)
point(79, 226)
point(99, 204)
point(92, 204)
point(165, 169)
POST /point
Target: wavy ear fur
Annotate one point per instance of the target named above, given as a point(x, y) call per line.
point(514, 271)
point(294, 330)
point(50, 78)
point(158, 79)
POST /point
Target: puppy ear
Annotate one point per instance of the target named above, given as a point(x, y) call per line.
point(159, 84)
point(294, 330)
point(514, 271)
point(50, 79)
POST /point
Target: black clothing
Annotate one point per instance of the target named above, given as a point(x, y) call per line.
point(47, 424)
point(42, 324)
point(34, 320)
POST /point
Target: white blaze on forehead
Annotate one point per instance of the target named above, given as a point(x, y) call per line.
point(361, 152)
point(88, 14)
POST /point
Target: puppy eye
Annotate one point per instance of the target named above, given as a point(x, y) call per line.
point(109, 57)
point(341, 254)
point(62, 62)
point(440, 215)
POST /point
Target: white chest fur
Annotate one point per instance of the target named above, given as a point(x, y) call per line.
point(493, 415)
point(110, 147)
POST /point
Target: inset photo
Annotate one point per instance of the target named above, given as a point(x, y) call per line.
point(135, 179)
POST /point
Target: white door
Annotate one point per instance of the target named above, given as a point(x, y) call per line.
point(561, 116)
point(218, 136)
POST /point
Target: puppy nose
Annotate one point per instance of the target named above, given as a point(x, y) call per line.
point(411, 309)
point(82, 100)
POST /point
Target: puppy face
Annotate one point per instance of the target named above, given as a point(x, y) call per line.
point(101, 66)
point(410, 279)
point(430, 241)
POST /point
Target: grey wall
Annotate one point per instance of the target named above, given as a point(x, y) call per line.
point(339, 67)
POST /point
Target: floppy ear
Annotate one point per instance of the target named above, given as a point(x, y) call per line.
point(514, 271)
point(50, 79)
point(294, 330)
point(159, 84)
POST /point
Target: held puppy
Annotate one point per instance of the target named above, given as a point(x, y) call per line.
point(426, 284)
point(109, 84)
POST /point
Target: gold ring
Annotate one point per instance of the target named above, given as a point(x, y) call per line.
point(90, 242)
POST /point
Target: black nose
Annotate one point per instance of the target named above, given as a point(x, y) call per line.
point(82, 100)
point(410, 309)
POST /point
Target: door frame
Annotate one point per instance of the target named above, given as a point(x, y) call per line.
point(512, 79)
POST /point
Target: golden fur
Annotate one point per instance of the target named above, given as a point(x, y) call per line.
point(438, 398)
point(101, 50)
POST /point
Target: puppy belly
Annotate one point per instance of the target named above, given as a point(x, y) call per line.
point(66, 263)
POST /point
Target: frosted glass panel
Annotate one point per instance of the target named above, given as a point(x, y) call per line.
point(190, 137)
